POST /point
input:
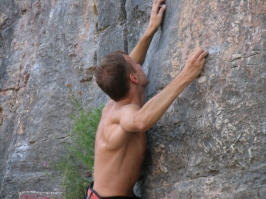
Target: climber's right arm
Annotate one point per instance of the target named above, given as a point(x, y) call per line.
point(137, 119)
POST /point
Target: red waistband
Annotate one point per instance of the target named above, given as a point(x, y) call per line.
point(92, 195)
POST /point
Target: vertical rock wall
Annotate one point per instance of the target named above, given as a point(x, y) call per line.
point(211, 141)
point(46, 45)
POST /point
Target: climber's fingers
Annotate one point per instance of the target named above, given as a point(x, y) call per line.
point(158, 7)
point(203, 55)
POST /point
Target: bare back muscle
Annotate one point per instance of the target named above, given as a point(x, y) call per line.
point(118, 154)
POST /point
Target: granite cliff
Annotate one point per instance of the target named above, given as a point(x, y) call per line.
point(211, 141)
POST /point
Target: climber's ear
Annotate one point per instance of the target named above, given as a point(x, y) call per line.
point(133, 78)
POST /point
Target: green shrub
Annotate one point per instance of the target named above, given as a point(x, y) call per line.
point(76, 166)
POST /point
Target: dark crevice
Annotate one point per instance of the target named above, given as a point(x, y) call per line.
point(251, 55)
point(7, 23)
point(1, 115)
point(23, 11)
point(95, 58)
point(244, 57)
point(8, 89)
point(123, 7)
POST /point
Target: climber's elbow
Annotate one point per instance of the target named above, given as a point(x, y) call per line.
point(141, 124)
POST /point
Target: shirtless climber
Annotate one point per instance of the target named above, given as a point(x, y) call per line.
point(120, 143)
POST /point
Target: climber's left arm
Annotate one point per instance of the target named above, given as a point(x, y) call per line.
point(140, 50)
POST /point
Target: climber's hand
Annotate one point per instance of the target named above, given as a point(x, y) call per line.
point(157, 11)
point(194, 64)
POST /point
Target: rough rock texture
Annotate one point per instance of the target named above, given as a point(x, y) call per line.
point(209, 144)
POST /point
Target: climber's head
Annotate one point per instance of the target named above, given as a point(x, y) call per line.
point(112, 75)
point(117, 72)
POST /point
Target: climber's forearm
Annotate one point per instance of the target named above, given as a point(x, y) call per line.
point(140, 51)
point(153, 110)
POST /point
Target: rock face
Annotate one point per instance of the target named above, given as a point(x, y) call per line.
point(211, 141)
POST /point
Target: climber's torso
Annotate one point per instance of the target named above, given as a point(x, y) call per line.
point(118, 154)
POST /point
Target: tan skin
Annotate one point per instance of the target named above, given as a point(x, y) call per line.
point(120, 143)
